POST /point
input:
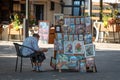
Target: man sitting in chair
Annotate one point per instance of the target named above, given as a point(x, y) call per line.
point(34, 51)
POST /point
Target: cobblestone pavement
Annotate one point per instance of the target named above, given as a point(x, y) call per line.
point(107, 61)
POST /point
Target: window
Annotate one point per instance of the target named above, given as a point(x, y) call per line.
point(77, 8)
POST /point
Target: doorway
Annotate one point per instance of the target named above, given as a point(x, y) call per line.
point(39, 12)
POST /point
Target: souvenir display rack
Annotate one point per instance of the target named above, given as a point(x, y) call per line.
point(73, 48)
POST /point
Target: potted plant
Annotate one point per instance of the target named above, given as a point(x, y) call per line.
point(15, 22)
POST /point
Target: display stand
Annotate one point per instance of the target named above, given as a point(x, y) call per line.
point(73, 48)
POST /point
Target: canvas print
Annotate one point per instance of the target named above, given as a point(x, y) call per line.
point(55, 44)
point(59, 36)
point(79, 29)
point(72, 29)
point(82, 65)
point(82, 20)
point(73, 62)
point(72, 21)
point(43, 31)
point(75, 37)
point(89, 50)
point(88, 38)
point(90, 64)
point(65, 29)
point(78, 47)
point(60, 44)
point(70, 37)
point(80, 37)
point(58, 19)
point(65, 37)
point(62, 61)
point(68, 47)
point(67, 21)
point(77, 20)
point(88, 28)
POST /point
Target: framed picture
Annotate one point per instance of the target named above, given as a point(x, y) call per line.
point(65, 37)
point(58, 28)
point(78, 47)
point(82, 65)
point(65, 29)
point(71, 29)
point(88, 38)
point(61, 61)
point(68, 47)
point(43, 31)
point(75, 37)
point(72, 21)
point(60, 44)
point(80, 37)
point(82, 20)
point(88, 28)
point(56, 46)
point(70, 37)
point(89, 50)
point(59, 36)
point(79, 29)
point(58, 19)
point(67, 21)
point(77, 20)
point(90, 64)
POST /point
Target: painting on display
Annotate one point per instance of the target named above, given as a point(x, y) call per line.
point(88, 25)
point(58, 19)
point(65, 61)
point(88, 38)
point(43, 31)
point(58, 45)
point(78, 47)
point(72, 21)
point(75, 37)
point(90, 64)
point(70, 37)
point(89, 50)
point(82, 20)
point(72, 29)
point(82, 65)
point(67, 21)
point(59, 36)
point(80, 37)
point(65, 37)
point(65, 29)
point(79, 29)
point(68, 47)
point(77, 20)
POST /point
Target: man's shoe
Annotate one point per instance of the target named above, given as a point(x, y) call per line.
point(34, 68)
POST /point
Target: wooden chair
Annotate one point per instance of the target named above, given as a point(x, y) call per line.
point(19, 54)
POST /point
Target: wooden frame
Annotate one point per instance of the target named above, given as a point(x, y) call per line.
point(78, 47)
point(89, 50)
point(58, 29)
point(58, 19)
